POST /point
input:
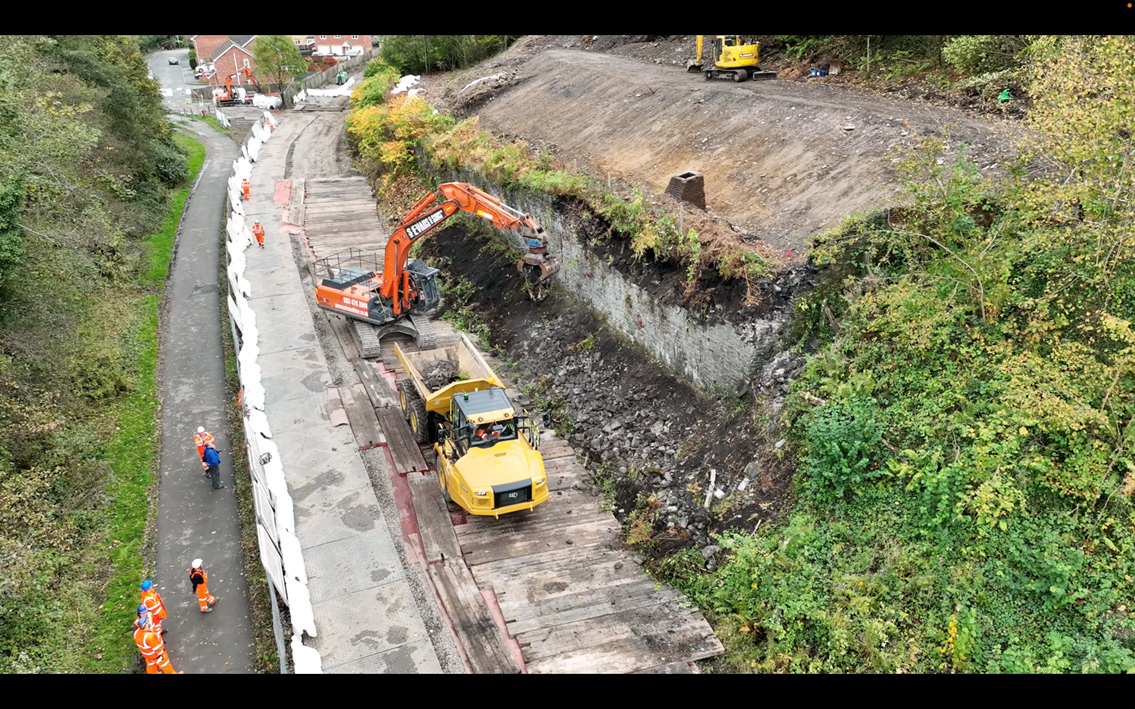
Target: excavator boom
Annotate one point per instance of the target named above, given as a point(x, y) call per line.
point(421, 220)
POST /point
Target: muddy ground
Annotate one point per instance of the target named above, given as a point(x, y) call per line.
point(782, 160)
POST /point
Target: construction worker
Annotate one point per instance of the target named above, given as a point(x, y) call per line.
point(151, 645)
point(201, 440)
point(153, 603)
point(258, 232)
point(246, 189)
point(200, 579)
point(213, 460)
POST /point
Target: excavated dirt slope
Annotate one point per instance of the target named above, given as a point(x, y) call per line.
point(782, 160)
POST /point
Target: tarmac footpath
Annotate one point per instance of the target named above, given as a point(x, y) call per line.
point(194, 520)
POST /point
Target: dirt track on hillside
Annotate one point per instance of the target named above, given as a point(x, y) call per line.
point(782, 160)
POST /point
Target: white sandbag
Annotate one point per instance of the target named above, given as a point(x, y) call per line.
point(305, 660)
point(258, 422)
point(299, 603)
point(293, 557)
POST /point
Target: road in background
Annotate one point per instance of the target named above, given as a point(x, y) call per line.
point(176, 80)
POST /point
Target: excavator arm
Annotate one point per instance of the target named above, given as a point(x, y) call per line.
point(251, 77)
point(695, 65)
point(427, 214)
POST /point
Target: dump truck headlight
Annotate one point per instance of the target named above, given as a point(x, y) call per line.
point(481, 493)
point(539, 481)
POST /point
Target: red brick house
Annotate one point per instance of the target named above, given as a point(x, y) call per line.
point(230, 57)
point(205, 44)
point(340, 45)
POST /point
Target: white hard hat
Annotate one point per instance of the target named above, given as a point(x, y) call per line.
point(200, 429)
point(196, 563)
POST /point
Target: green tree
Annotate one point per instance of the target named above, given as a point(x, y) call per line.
point(278, 60)
point(423, 53)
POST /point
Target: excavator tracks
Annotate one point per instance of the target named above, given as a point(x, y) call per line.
point(368, 337)
point(427, 338)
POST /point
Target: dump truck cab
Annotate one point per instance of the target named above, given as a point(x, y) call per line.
point(487, 457)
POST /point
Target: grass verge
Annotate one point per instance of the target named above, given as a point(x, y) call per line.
point(133, 451)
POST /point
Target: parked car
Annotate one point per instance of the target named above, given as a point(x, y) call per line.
point(173, 60)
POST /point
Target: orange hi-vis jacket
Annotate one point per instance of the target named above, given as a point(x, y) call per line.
point(153, 650)
point(245, 188)
point(154, 604)
point(201, 440)
point(201, 588)
point(258, 232)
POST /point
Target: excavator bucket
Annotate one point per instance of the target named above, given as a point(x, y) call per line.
point(537, 268)
point(761, 75)
point(693, 67)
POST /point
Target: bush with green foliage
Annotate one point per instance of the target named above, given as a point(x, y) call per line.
point(86, 158)
point(422, 54)
point(986, 340)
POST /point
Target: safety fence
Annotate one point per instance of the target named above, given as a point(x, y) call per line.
point(325, 77)
point(275, 519)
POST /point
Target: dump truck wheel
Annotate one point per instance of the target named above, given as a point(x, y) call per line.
point(441, 478)
point(406, 395)
point(418, 420)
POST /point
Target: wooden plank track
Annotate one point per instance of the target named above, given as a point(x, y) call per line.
point(339, 214)
point(438, 537)
point(400, 441)
point(570, 593)
point(471, 619)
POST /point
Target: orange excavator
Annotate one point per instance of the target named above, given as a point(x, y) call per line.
point(395, 296)
point(228, 97)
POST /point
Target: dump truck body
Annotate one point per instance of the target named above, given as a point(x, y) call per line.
point(486, 453)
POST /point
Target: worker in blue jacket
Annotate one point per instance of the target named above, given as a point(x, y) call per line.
point(213, 461)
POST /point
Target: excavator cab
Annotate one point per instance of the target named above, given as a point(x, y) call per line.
point(424, 295)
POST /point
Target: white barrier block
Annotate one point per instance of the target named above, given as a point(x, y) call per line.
point(285, 513)
point(293, 557)
point(234, 311)
point(271, 119)
point(254, 395)
point(274, 476)
point(305, 660)
point(251, 374)
point(254, 149)
point(299, 603)
point(258, 422)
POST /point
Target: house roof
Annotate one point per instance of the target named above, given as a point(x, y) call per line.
point(240, 41)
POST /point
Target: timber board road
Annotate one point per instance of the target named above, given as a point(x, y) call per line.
point(553, 591)
point(782, 160)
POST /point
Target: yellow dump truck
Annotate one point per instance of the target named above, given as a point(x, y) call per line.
point(487, 454)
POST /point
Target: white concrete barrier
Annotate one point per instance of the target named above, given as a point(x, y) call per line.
point(263, 453)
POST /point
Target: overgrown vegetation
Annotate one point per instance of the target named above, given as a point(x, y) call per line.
point(978, 66)
point(87, 162)
point(966, 436)
point(425, 53)
point(396, 137)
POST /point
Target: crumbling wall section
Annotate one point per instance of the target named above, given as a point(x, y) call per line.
point(717, 358)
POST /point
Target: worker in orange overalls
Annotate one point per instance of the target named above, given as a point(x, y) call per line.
point(200, 579)
point(153, 603)
point(151, 645)
point(246, 189)
point(201, 439)
point(258, 232)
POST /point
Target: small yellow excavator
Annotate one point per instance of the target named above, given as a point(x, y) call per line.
point(733, 59)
